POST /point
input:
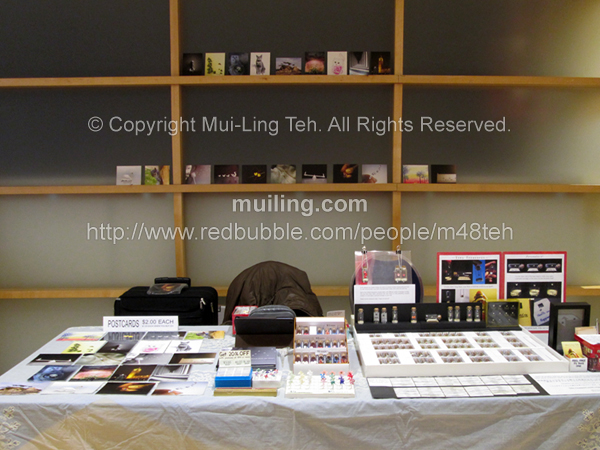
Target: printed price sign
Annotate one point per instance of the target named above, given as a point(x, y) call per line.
point(141, 323)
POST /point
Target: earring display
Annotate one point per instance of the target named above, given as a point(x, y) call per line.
point(320, 344)
point(456, 353)
point(503, 313)
point(324, 385)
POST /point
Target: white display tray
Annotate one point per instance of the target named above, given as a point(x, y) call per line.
point(314, 387)
point(456, 353)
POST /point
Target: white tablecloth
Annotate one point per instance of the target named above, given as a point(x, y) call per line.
point(196, 422)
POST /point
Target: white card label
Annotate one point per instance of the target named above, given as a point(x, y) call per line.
point(141, 323)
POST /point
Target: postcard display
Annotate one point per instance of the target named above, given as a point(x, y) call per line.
point(468, 277)
point(540, 277)
point(320, 360)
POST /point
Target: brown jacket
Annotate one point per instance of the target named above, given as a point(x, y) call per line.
point(272, 283)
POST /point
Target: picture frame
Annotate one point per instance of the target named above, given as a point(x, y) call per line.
point(564, 318)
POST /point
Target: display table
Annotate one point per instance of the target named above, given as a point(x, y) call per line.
point(121, 421)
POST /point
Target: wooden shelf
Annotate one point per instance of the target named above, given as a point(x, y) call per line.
point(196, 81)
point(320, 291)
point(198, 188)
point(114, 292)
point(406, 80)
point(498, 81)
point(504, 188)
point(300, 187)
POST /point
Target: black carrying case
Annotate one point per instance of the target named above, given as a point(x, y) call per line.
point(196, 305)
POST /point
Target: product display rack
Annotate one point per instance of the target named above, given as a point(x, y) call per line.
point(178, 190)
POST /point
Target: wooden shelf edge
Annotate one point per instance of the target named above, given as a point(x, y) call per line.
point(408, 80)
point(68, 82)
point(499, 81)
point(61, 293)
point(191, 188)
point(504, 188)
point(320, 291)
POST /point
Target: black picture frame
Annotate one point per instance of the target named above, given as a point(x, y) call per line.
point(564, 318)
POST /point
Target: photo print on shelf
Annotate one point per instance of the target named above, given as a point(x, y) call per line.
point(358, 63)
point(374, 173)
point(227, 174)
point(314, 173)
point(315, 63)
point(345, 173)
point(254, 174)
point(337, 63)
point(288, 66)
point(197, 174)
point(238, 64)
point(192, 64)
point(260, 63)
point(215, 64)
point(283, 174)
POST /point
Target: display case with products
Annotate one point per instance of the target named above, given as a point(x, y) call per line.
point(320, 344)
point(456, 353)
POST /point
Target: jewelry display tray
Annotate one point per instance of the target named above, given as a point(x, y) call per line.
point(456, 353)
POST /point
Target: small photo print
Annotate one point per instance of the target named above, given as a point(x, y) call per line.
point(197, 174)
point(101, 359)
point(381, 63)
point(180, 388)
point(337, 63)
point(192, 64)
point(345, 173)
point(254, 174)
point(22, 388)
point(283, 174)
point(358, 63)
point(315, 63)
point(215, 64)
point(374, 173)
point(260, 63)
point(94, 373)
point(314, 173)
point(127, 388)
point(56, 359)
point(216, 334)
point(227, 174)
point(157, 175)
point(415, 174)
point(288, 66)
point(129, 175)
point(238, 64)
point(54, 373)
point(133, 373)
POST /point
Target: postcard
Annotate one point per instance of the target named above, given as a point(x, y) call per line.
point(55, 359)
point(337, 63)
point(260, 63)
point(197, 174)
point(133, 373)
point(214, 64)
point(54, 373)
point(374, 173)
point(94, 373)
point(84, 347)
point(181, 388)
point(70, 387)
point(134, 388)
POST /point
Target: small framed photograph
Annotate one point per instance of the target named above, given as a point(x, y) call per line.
point(564, 318)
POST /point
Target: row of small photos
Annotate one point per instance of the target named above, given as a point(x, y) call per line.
point(255, 174)
point(424, 174)
point(313, 63)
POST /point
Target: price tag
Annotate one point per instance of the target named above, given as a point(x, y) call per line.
point(141, 323)
point(235, 358)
